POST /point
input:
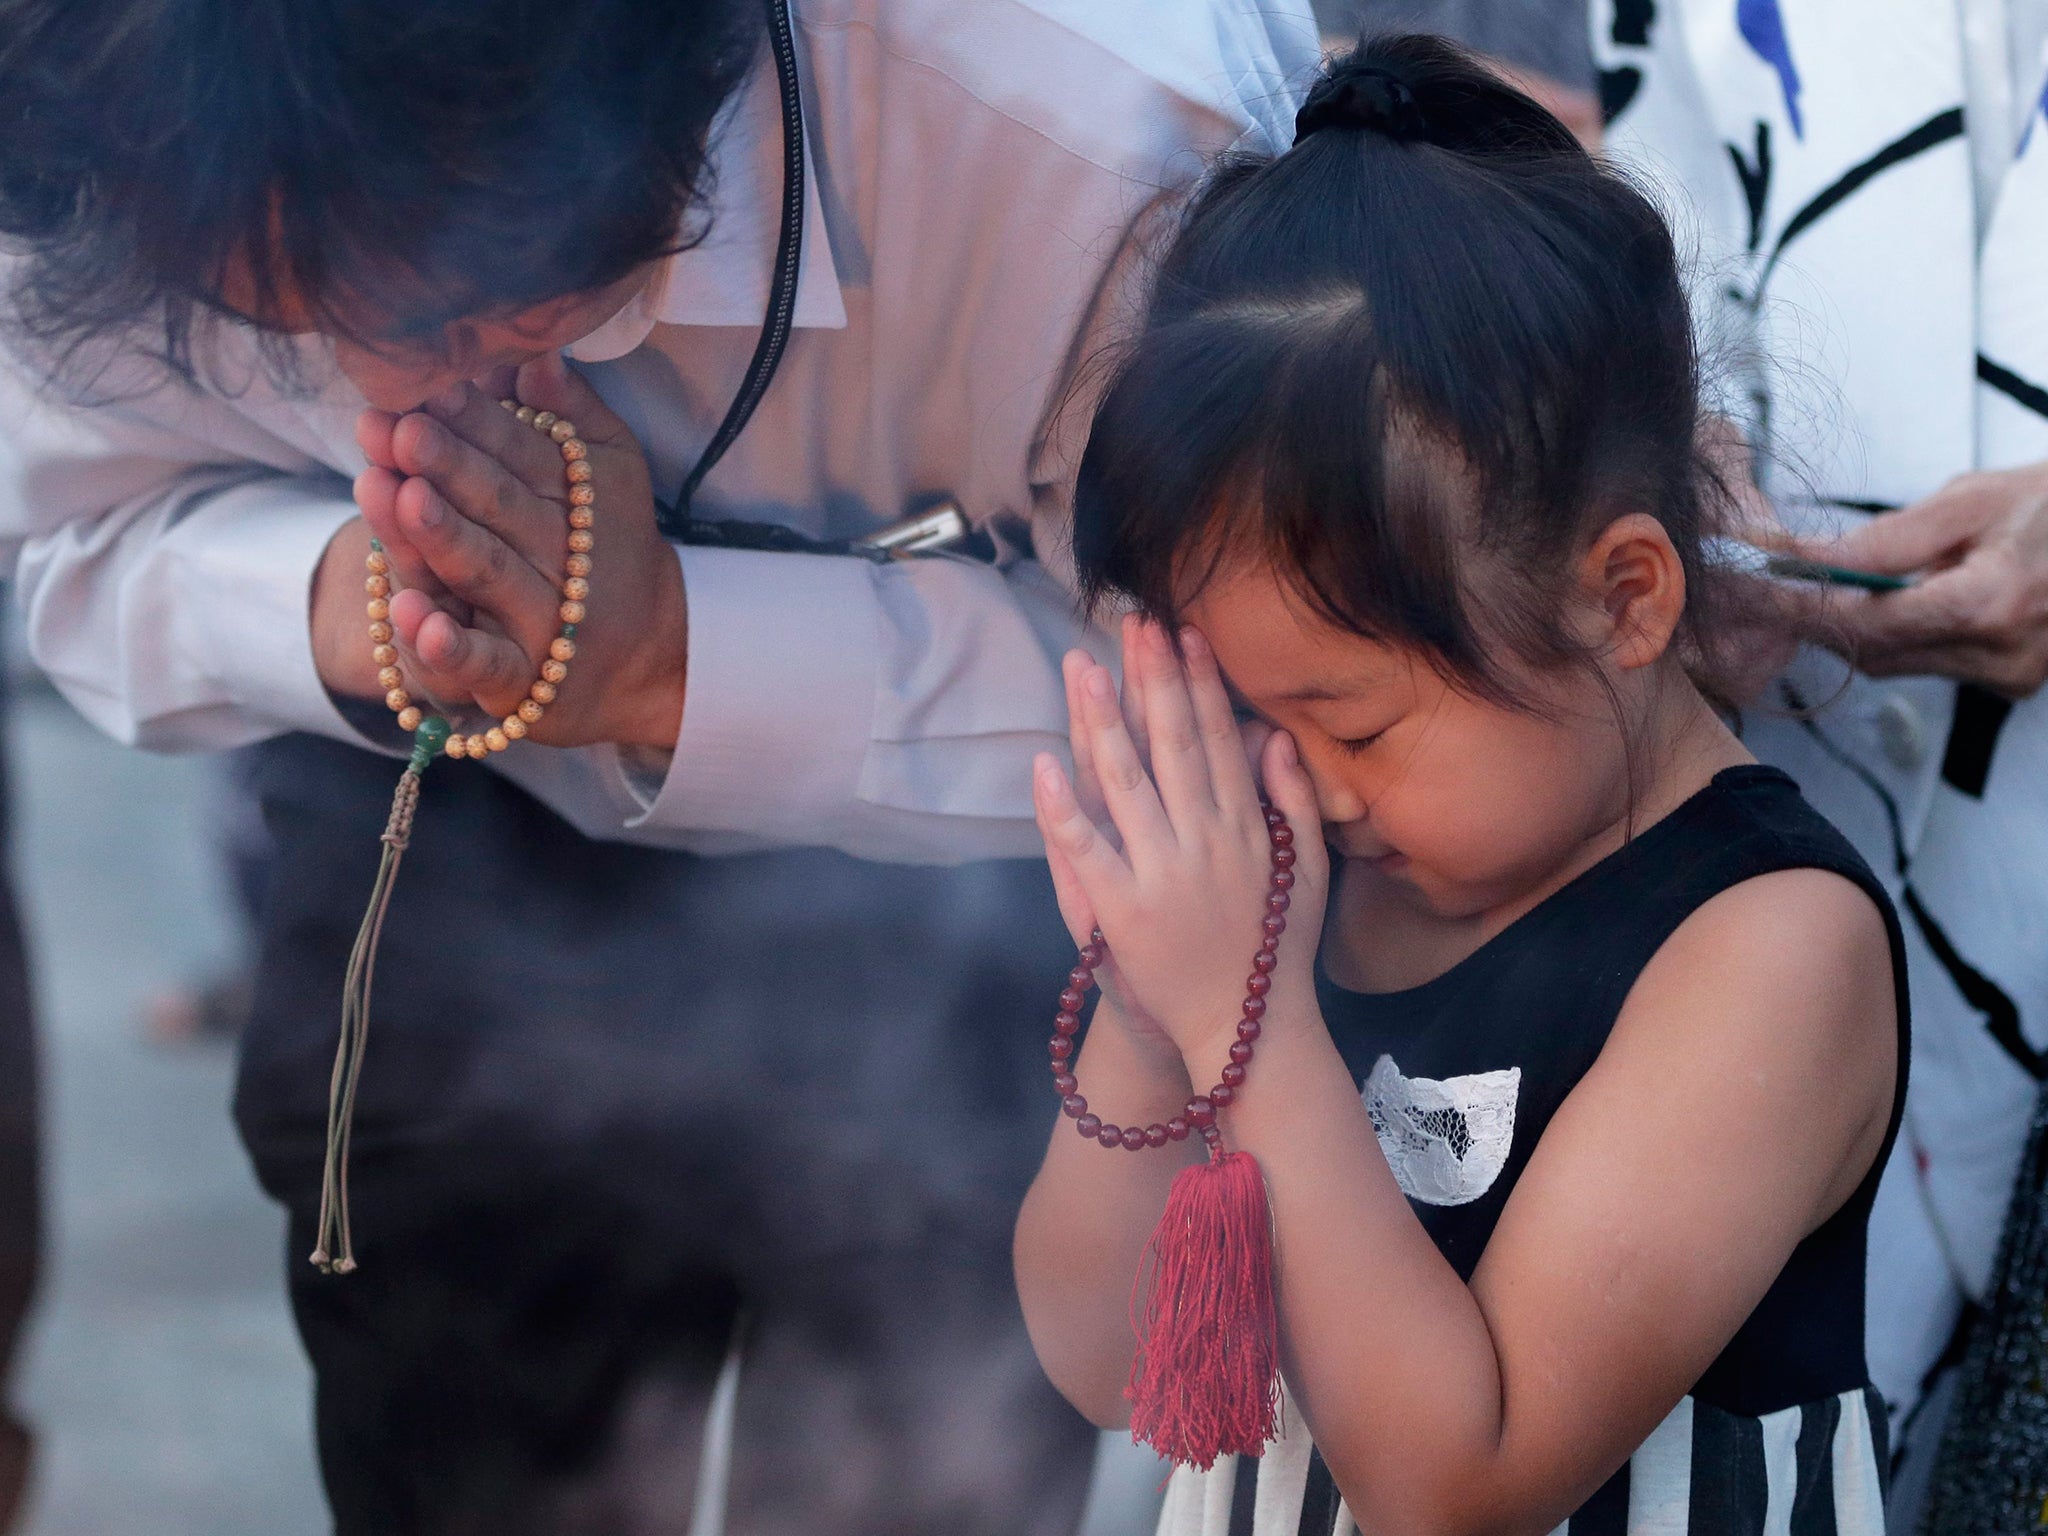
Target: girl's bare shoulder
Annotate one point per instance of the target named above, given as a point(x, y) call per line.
point(1777, 997)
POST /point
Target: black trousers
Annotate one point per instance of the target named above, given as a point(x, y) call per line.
point(618, 1102)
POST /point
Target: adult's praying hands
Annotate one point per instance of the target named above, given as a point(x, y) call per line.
point(1977, 611)
point(471, 506)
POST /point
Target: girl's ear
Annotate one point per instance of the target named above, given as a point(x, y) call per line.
point(1633, 585)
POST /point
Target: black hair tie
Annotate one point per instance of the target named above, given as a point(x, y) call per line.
point(1360, 98)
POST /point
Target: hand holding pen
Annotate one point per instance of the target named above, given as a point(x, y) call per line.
point(1973, 603)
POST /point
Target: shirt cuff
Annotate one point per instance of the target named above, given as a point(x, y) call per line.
point(246, 560)
point(778, 703)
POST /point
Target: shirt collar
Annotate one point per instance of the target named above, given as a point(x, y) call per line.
point(724, 279)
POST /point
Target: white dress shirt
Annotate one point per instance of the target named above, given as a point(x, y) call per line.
point(974, 167)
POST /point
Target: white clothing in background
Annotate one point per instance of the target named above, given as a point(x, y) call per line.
point(1833, 162)
point(2002, 71)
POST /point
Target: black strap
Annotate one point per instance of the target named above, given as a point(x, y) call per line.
point(675, 521)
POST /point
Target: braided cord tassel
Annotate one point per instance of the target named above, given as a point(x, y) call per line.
point(433, 736)
point(1206, 1378)
point(334, 1249)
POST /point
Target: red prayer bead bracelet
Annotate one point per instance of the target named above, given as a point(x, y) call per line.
point(1200, 1114)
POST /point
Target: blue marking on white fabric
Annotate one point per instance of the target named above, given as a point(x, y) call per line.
point(2033, 117)
point(1762, 26)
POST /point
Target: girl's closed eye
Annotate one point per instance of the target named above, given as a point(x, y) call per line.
point(1356, 736)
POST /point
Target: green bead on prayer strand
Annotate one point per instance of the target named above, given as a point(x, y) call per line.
point(428, 741)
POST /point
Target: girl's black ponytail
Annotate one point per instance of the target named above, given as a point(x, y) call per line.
point(1420, 89)
point(1367, 96)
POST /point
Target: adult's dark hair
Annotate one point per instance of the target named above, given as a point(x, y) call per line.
point(428, 159)
point(1414, 363)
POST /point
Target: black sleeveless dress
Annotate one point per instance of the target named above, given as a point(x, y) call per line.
point(1462, 1075)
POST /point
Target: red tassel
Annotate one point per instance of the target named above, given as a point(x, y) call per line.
point(1206, 1381)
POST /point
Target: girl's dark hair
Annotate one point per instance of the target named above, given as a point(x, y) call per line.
point(1413, 362)
point(431, 159)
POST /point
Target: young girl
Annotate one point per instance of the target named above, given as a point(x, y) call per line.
point(1571, 1129)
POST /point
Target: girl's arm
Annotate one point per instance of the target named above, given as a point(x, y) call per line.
point(1742, 1095)
point(1085, 1222)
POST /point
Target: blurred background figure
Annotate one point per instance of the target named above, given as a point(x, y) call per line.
point(20, 1168)
point(157, 1371)
point(215, 1003)
point(154, 1384)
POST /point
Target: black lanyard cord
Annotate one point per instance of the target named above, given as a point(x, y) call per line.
point(915, 535)
point(675, 521)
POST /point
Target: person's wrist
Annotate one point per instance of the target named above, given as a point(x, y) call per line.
point(1154, 1051)
point(662, 665)
point(337, 620)
point(1204, 1055)
point(1163, 1059)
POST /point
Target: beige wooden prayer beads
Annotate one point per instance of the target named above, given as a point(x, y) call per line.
point(575, 590)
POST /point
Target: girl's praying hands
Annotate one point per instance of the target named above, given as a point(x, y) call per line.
point(1178, 890)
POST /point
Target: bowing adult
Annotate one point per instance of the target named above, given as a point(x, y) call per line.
point(675, 994)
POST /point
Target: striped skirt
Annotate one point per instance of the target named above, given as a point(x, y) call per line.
point(1814, 1470)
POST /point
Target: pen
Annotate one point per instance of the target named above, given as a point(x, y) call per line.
point(1748, 557)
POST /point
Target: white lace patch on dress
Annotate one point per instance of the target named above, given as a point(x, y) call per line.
point(1446, 1141)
